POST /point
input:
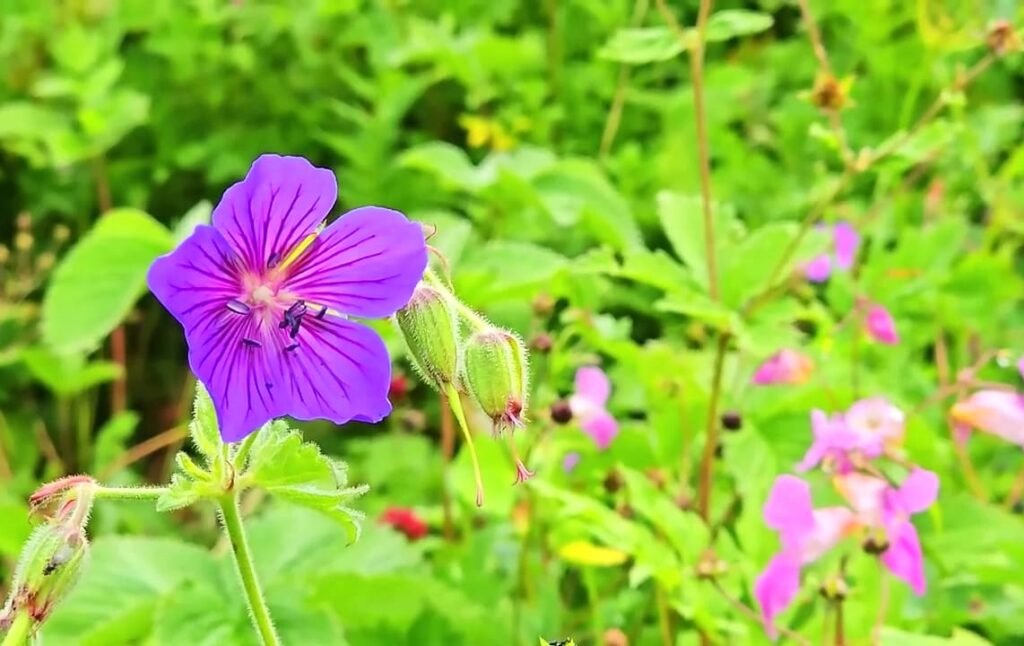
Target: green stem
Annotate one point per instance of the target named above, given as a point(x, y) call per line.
point(129, 493)
point(246, 570)
point(20, 630)
point(456, 405)
point(466, 312)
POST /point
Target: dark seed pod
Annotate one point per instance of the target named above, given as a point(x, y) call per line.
point(561, 412)
point(732, 420)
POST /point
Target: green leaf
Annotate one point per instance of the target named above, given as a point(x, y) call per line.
point(682, 220)
point(747, 269)
point(95, 286)
point(732, 23)
point(114, 601)
point(685, 531)
point(641, 45)
point(111, 439)
point(281, 463)
point(181, 492)
point(448, 163)
point(67, 375)
point(15, 528)
point(203, 428)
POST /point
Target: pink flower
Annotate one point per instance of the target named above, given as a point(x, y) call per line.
point(864, 431)
point(845, 241)
point(887, 510)
point(999, 412)
point(588, 406)
point(880, 325)
point(784, 367)
point(805, 533)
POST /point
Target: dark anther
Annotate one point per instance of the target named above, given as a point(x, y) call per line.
point(238, 307)
point(272, 260)
point(268, 385)
point(321, 313)
point(252, 343)
point(293, 317)
point(291, 348)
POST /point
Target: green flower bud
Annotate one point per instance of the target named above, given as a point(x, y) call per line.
point(430, 328)
point(496, 376)
point(50, 565)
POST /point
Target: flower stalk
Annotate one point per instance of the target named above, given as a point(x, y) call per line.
point(456, 407)
point(20, 630)
point(235, 532)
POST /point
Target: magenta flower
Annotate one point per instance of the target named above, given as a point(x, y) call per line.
point(805, 533)
point(865, 431)
point(784, 367)
point(845, 241)
point(888, 510)
point(588, 406)
point(264, 293)
point(999, 412)
point(880, 325)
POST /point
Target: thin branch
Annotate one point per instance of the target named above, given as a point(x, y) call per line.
point(883, 609)
point(707, 462)
point(614, 118)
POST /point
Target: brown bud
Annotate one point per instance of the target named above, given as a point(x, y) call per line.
point(613, 481)
point(1001, 38)
point(732, 420)
point(626, 511)
point(657, 477)
point(561, 412)
point(828, 93)
point(541, 343)
point(710, 566)
point(614, 637)
point(834, 588)
point(543, 305)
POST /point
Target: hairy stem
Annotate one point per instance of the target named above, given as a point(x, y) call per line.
point(447, 450)
point(20, 631)
point(707, 461)
point(235, 533)
point(455, 403)
point(118, 352)
point(129, 493)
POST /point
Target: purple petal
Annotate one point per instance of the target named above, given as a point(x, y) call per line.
point(334, 369)
point(600, 426)
point(881, 326)
point(818, 269)
point(846, 241)
point(919, 491)
point(592, 385)
point(904, 557)
point(776, 587)
point(784, 367)
point(366, 263)
point(789, 509)
point(999, 412)
point(1020, 367)
point(280, 202)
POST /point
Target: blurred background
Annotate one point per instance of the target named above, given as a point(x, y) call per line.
point(551, 143)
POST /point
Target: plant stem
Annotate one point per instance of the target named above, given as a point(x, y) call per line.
point(883, 609)
point(20, 630)
point(118, 353)
point(129, 493)
point(840, 629)
point(664, 618)
point(447, 449)
point(456, 407)
point(235, 533)
point(707, 462)
point(614, 118)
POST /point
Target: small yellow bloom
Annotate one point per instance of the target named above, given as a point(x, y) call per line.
point(586, 553)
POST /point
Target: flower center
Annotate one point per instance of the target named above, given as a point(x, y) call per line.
point(262, 295)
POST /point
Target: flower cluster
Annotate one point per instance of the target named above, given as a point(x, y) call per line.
point(877, 511)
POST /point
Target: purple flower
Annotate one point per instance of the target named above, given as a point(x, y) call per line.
point(784, 367)
point(805, 533)
point(999, 412)
point(588, 406)
point(845, 241)
point(865, 431)
point(880, 325)
point(264, 293)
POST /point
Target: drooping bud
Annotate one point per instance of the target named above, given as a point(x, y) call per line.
point(430, 328)
point(50, 565)
point(495, 373)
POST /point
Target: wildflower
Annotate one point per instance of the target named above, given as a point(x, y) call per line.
point(805, 533)
point(884, 513)
point(880, 325)
point(588, 406)
point(495, 373)
point(845, 242)
point(263, 293)
point(406, 521)
point(784, 367)
point(999, 412)
point(865, 431)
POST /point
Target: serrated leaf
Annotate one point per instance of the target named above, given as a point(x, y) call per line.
point(95, 286)
point(641, 45)
point(181, 492)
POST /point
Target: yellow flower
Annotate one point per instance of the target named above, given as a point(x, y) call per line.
point(586, 553)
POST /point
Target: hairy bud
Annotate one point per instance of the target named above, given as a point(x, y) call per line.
point(430, 328)
point(50, 565)
point(496, 375)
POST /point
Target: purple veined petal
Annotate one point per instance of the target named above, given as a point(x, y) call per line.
point(334, 369)
point(881, 326)
point(919, 491)
point(846, 240)
point(281, 201)
point(789, 509)
point(592, 385)
point(367, 263)
point(819, 268)
point(198, 282)
point(904, 557)
point(776, 587)
point(601, 427)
